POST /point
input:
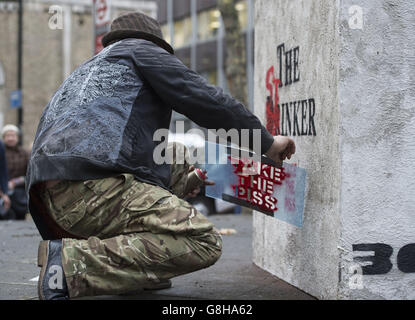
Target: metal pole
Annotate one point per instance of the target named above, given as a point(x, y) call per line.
point(193, 54)
point(170, 21)
point(220, 71)
point(66, 41)
point(20, 65)
point(249, 57)
point(94, 29)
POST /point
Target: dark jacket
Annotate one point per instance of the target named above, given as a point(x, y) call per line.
point(101, 120)
point(4, 179)
point(17, 159)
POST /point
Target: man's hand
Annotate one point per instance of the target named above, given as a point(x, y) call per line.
point(281, 149)
point(6, 201)
point(196, 191)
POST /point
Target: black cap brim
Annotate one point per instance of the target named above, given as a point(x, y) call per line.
point(128, 33)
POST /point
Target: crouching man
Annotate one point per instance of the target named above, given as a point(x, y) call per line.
point(110, 216)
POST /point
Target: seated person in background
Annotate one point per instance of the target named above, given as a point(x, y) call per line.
point(4, 198)
point(17, 160)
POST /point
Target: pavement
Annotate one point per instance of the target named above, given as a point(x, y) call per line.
point(233, 277)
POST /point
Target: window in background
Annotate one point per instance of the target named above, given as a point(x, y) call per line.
point(208, 24)
point(165, 30)
point(242, 8)
point(182, 32)
point(210, 76)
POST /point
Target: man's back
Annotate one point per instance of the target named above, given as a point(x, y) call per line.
point(97, 123)
point(100, 123)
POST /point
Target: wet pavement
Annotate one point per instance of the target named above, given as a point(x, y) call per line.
point(233, 277)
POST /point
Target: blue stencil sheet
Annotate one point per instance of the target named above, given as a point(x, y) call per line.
point(290, 194)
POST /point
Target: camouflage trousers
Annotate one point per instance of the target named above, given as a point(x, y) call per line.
point(135, 233)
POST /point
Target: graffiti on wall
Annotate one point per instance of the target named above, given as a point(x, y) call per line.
point(278, 192)
point(294, 118)
point(380, 261)
point(257, 183)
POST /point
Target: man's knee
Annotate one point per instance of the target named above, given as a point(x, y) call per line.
point(217, 250)
point(212, 248)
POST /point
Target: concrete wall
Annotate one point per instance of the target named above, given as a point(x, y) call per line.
point(306, 257)
point(360, 195)
point(8, 58)
point(377, 146)
point(42, 60)
point(42, 67)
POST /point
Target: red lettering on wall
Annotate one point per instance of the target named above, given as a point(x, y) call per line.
point(272, 109)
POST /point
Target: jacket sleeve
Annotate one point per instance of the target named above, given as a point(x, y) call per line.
point(188, 93)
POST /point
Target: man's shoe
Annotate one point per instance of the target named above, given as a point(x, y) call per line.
point(52, 282)
point(163, 284)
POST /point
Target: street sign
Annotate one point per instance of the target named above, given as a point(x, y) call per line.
point(15, 99)
point(102, 19)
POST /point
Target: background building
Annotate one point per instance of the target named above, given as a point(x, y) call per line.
point(49, 55)
point(196, 31)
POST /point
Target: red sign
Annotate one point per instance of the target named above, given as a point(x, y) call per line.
point(102, 12)
point(102, 20)
point(98, 43)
